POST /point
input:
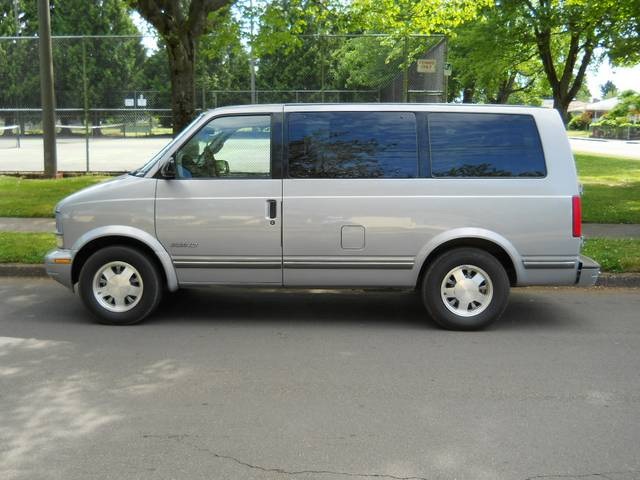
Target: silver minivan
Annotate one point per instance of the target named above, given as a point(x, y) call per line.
point(459, 202)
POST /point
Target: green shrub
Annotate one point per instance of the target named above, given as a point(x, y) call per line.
point(580, 122)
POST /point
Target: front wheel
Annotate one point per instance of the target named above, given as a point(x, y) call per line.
point(465, 289)
point(120, 285)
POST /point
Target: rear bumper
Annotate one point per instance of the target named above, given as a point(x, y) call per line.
point(58, 266)
point(588, 272)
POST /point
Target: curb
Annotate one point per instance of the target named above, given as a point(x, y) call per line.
point(629, 280)
point(619, 280)
point(22, 270)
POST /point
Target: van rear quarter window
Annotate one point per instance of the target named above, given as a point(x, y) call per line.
point(484, 145)
point(352, 145)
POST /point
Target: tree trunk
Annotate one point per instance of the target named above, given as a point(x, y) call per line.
point(566, 86)
point(467, 93)
point(561, 104)
point(505, 89)
point(183, 91)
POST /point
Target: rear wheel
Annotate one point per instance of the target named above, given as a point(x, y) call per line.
point(120, 285)
point(465, 289)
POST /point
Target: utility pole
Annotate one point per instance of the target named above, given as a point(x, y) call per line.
point(46, 90)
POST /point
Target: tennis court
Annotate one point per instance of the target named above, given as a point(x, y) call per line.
point(105, 154)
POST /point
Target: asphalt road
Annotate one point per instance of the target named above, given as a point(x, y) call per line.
point(239, 384)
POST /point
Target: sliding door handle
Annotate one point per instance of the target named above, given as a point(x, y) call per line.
point(273, 209)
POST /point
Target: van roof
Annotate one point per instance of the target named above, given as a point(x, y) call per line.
point(308, 107)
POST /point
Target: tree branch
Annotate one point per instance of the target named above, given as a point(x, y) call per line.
point(571, 59)
point(586, 60)
point(155, 12)
point(199, 10)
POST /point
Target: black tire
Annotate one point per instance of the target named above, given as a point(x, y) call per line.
point(147, 275)
point(432, 283)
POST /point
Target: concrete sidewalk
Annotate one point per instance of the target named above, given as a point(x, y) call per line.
point(8, 224)
point(611, 230)
point(590, 230)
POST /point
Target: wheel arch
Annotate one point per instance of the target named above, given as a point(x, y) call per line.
point(103, 237)
point(486, 240)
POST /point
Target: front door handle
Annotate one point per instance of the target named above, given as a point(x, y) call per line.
point(273, 209)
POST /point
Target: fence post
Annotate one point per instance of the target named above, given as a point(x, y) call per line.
point(322, 73)
point(135, 113)
point(446, 77)
point(86, 102)
point(405, 71)
point(19, 123)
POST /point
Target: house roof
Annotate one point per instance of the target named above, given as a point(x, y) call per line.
point(603, 106)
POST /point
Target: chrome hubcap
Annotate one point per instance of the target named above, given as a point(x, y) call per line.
point(466, 290)
point(117, 286)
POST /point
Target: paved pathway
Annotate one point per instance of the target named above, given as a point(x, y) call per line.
point(591, 230)
point(616, 148)
point(27, 224)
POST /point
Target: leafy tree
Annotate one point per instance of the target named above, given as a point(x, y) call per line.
point(181, 24)
point(567, 36)
point(400, 19)
point(405, 17)
point(629, 105)
point(489, 65)
point(222, 63)
point(109, 64)
point(624, 46)
point(19, 80)
point(608, 89)
point(289, 54)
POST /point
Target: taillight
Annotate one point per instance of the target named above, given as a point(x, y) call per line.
point(576, 205)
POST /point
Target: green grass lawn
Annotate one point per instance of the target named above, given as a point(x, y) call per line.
point(614, 254)
point(19, 247)
point(21, 197)
point(611, 189)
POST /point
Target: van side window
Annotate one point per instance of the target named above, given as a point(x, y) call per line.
point(228, 147)
point(485, 145)
point(352, 145)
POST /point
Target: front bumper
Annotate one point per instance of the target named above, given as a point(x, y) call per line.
point(58, 265)
point(588, 272)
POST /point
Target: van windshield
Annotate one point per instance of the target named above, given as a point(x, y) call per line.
point(142, 171)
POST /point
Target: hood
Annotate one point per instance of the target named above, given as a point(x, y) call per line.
point(107, 190)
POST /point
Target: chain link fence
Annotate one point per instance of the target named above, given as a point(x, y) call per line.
point(113, 93)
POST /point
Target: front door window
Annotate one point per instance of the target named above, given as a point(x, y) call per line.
point(228, 147)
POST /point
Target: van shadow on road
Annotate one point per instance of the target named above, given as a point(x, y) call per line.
point(527, 309)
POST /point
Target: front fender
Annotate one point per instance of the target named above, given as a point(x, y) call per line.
point(136, 234)
point(468, 232)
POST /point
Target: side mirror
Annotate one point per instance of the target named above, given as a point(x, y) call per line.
point(222, 168)
point(168, 170)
